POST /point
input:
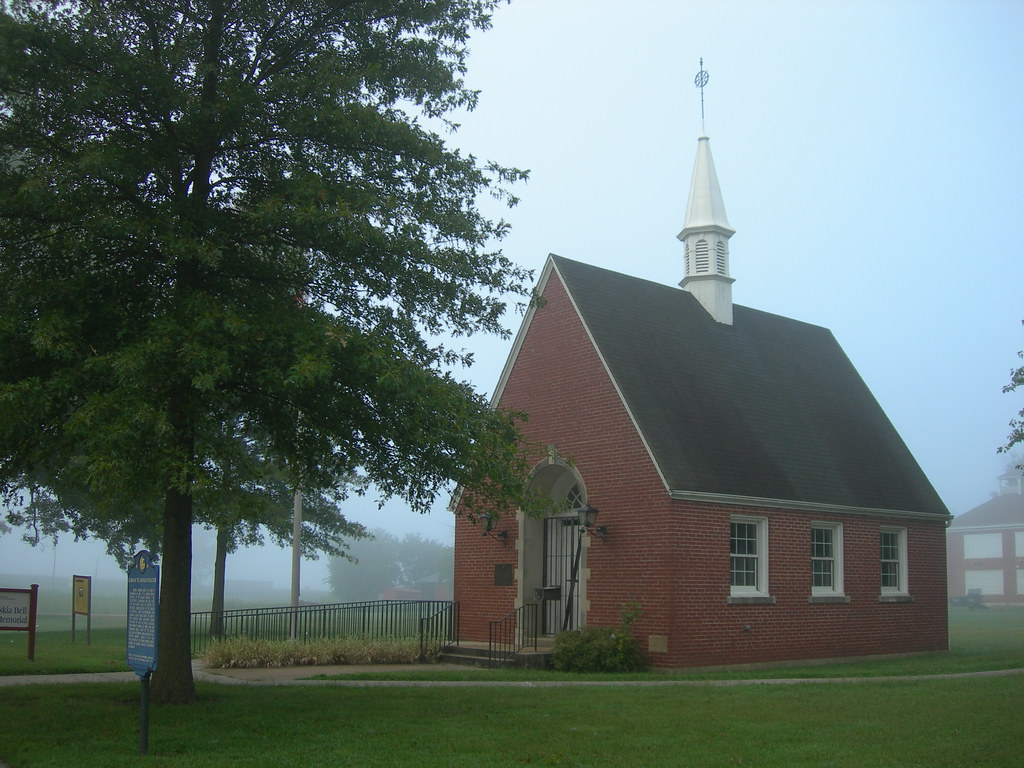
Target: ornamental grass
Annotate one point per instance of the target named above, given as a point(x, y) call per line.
point(245, 653)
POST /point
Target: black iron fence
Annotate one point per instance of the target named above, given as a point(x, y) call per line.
point(510, 634)
point(433, 622)
point(439, 630)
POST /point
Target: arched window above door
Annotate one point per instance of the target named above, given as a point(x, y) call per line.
point(574, 498)
point(560, 481)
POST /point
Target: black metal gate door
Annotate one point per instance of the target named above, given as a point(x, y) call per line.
point(561, 539)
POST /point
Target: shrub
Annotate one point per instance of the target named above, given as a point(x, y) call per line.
point(244, 653)
point(597, 649)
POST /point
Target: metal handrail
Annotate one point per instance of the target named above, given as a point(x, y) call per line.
point(439, 630)
point(371, 618)
point(511, 633)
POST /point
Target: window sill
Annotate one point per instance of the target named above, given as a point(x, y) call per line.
point(751, 600)
point(895, 599)
point(828, 599)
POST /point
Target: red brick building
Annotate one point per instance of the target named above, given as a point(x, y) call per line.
point(754, 502)
point(986, 548)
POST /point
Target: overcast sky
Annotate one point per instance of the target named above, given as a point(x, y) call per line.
point(871, 159)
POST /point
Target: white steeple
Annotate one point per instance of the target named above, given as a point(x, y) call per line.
point(705, 237)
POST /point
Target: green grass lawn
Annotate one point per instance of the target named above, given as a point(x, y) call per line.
point(57, 655)
point(893, 723)
point(931, 724)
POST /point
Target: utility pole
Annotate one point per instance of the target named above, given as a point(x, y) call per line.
point(296, 560)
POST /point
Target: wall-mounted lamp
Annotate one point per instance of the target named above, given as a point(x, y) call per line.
point(587, 517)
point(489, 519)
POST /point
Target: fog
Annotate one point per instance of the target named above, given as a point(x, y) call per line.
point(870, 159)
point(52, 566)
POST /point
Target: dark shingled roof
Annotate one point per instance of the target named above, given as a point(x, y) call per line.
point(768, 407)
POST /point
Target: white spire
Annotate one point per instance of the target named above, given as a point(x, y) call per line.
point(705, 237)
point(705, 207)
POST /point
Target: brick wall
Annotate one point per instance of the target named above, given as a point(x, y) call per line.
point(480, 601)
point(1009, 563)
point(671, 557)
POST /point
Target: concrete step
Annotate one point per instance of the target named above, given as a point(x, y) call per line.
point(475, 654)
point(452, 656)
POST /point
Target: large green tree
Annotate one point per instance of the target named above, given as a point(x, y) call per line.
point(224, 215)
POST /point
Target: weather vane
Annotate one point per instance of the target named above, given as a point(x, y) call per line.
point(700, 81)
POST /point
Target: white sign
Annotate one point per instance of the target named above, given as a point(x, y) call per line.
point(14, 609)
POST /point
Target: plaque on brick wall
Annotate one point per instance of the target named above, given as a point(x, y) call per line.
point(503, 575)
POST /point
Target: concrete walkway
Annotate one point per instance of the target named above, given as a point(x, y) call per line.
point(258, 676)
point(296, 675)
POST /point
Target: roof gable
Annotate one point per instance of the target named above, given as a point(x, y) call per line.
point(767, 408)
point(999, 511)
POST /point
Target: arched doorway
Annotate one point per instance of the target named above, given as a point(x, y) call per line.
point(552, 562)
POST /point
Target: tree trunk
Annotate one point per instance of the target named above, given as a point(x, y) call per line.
point(172, 681)
point(219, 572)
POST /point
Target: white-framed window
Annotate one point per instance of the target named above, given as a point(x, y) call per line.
point(1018, 538)
point(893, 549)
point(826, 559)
point(748, 556)
point(980, 546)
point(990, 582)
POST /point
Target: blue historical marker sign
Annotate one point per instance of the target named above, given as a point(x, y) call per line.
point(143, 600)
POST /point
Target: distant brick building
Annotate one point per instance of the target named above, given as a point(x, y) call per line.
point(754, 502)
point(985, 547)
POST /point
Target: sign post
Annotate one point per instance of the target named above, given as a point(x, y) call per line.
point(143, 626)
point(18, 613)
point(81, 605)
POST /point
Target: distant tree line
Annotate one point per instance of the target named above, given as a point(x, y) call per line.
point(384, 561)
